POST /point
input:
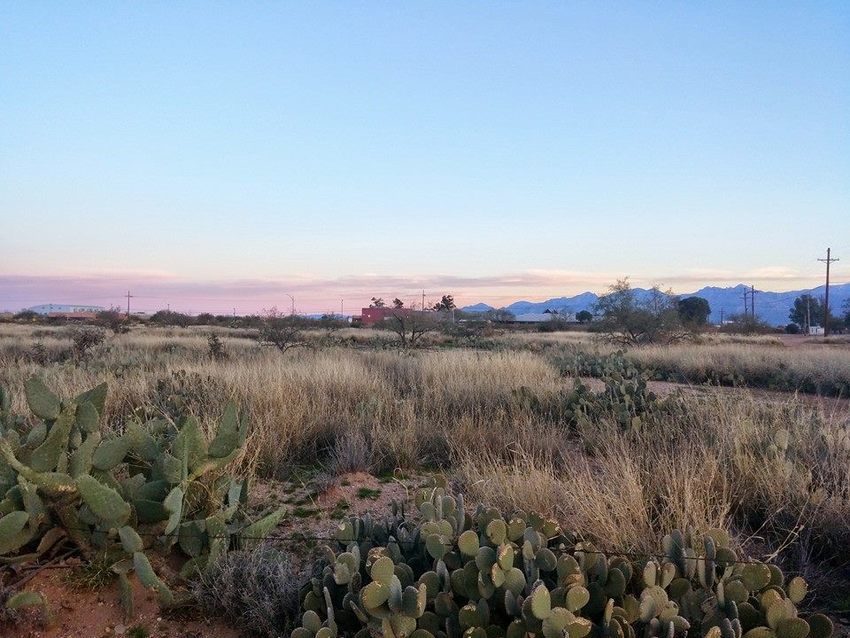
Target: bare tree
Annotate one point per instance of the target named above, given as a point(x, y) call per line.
point(499, 315)
point(629, 321)
point(279, 330)
point(411, 326)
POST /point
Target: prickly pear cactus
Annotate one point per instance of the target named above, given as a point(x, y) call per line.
point(444, 573)
point(155, 486)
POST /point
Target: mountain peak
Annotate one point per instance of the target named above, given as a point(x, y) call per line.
point(772, 307)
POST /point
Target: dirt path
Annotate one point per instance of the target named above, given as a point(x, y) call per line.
point(807, 341)
point(835, 408)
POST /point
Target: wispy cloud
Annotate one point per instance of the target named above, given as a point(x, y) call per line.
point(154, 290)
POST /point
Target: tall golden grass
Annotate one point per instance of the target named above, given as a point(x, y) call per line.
point(712, 460)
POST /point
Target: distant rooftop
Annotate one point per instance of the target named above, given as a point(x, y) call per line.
point(47, 308)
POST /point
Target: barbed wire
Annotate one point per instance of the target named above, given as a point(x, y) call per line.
point(306, 538)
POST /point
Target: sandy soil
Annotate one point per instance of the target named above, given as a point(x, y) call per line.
point(82, 613)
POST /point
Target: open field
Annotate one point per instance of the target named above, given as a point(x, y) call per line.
point(499, 420)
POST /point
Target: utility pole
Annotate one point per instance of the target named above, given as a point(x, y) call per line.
point(423, 300)
point(342, 307)
point(292, 307)
point(745, 304)
point(721, 317)
point(808, 314)
point(827, 261)
point(129, 296)
point(753, 301)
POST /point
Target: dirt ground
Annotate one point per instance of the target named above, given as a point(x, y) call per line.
point(82, 613)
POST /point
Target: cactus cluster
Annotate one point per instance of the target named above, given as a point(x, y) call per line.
point(445, 573)
point(153, 486)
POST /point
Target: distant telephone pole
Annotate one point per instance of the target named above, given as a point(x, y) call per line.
point(129, 296)
point(808, 314)
point(745, 304)
point(827, 261)
point(423, 300)
point(753, 292)
point(292, 307)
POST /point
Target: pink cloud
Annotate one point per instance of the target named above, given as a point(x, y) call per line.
point(156, 290)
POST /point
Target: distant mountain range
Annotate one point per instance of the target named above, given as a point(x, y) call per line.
point(772, 307)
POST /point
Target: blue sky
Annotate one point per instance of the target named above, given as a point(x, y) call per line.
point(220, 154)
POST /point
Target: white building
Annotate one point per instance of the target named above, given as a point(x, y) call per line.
point(544, 317)
point(47, 308)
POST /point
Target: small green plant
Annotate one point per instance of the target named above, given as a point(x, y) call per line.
point(339, 510)
point(94, 574)
point(139, 631)
point(367, 493)
point(299, 511)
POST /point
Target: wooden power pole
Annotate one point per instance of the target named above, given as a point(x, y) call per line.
point(753, 301)
point(827, 261)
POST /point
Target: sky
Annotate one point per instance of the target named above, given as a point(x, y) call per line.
point(211, 156)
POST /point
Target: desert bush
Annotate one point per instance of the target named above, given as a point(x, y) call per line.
point(351, 453)
point(280, 331)
point(38, 354)
point(216, 349)
point(410, 328)
point(256, 590)
point(171, 318)
point(114, 320)
point(84, 340)
point(627, 321)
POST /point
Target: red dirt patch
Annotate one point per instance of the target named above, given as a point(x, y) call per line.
point(82, 613)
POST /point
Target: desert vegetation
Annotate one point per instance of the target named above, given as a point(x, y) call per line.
point(611, 475)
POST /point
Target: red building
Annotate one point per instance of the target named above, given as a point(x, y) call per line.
point(73, 316)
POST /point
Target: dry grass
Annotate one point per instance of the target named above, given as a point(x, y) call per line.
point(708, 463)
point(406, 406)
point(811, 369)
point(715, 461)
